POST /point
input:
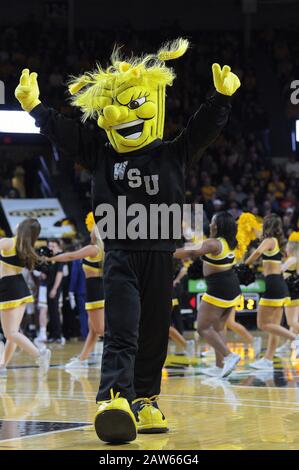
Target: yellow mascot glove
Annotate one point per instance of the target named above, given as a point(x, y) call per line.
point(27, 91)
point(225, 81)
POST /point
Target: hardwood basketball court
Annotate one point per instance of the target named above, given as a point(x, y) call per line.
point(249, 410)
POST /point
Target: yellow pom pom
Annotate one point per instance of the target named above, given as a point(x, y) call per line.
point(294, 237)
point(89, 221)
point(248, 229)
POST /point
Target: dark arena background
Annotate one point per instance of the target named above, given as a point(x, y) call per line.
point(250, 167)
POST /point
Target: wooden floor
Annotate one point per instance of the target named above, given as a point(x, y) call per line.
point(250, 410)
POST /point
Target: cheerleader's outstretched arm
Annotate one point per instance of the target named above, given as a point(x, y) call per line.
point(89, 250)
point(210, 245)
point(289, 262)
point(267, 244)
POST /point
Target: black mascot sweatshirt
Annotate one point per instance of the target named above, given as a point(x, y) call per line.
point(151, 176)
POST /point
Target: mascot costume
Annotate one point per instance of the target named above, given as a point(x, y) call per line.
point(128, 101)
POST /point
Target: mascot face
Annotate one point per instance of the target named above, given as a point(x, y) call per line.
point(133, 115)
point(128, 98)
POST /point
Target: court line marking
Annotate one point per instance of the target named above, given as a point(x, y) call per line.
point(265, 387)
point(198, 401)
point(56, 398)
point(191, 397)
point(42, 421)
point(236, 403)
point(41, 434)
point(239, 398)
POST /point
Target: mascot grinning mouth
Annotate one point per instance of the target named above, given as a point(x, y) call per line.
point(130, 130)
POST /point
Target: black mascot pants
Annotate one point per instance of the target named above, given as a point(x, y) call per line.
point(138, 292)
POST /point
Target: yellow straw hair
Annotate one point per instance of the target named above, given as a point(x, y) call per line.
point(248, 230)
point(92, 91)
point(89, 221)
point(173, 49)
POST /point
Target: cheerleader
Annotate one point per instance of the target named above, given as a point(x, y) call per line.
point(249, 228)
point(276, 295)
point(223, 288)
point(290, 268)
point(17, 253)
point(92, 262)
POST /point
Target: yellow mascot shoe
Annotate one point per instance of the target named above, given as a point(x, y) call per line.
point(114, 421)
point(149, 418)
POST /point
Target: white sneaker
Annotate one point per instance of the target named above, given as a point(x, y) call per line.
point(44, 361)
point(208, 353)
point(41, 338)
point(230, 363)
point(41, 346)
point(171, 348)
point(77, 374)
point(262, 364)
point(257, 345)
point(38, 342)
point(212, 371)
point(263, 375)
point(190, 348)
point(285, 348)
point(3, 372)
point(76, 363)
point(98, 349)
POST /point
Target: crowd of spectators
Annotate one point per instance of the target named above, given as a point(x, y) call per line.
point(282, 46)
point(237, 172)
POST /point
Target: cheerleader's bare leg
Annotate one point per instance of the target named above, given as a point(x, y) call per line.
point(236, 327)
point(11, 321)
point(96, 329)
point(272, 345)
point(292, 314)
point(267, 320)
point(210, 322)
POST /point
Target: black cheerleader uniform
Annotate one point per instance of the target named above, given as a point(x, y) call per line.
point(276, 293)
point(223, 287)
point(94, 285)
point(294, 294)
point(13, 288)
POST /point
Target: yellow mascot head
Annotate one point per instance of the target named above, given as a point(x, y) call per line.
point(128, 98)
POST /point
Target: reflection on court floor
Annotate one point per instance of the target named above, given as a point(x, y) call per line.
point(285, 373)
point(248, 410)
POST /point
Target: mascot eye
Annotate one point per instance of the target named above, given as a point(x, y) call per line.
point(136, 103)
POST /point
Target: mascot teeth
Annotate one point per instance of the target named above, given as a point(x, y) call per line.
point(130, 130)
point(136, 135)
point(128, 124)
